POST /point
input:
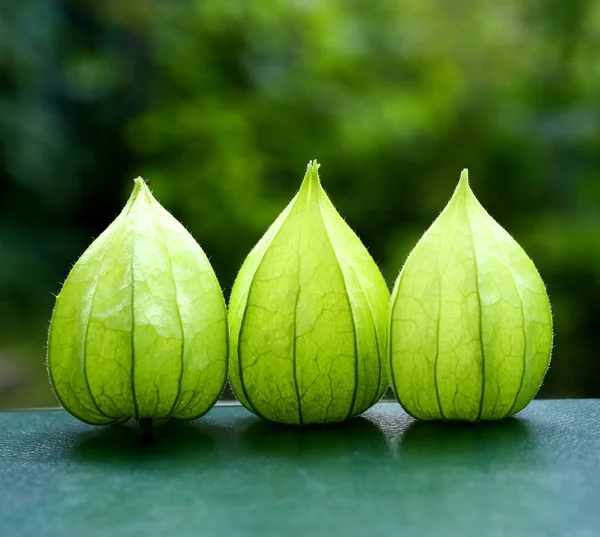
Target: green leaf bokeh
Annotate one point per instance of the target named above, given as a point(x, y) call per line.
point(220, 104)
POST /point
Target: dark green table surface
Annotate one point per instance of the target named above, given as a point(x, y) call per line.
point(231, 474)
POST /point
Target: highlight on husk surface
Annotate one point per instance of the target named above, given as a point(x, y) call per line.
point(307, 317)
point(139, 329)
point(470, 321)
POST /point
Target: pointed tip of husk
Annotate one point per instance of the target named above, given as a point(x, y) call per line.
point(463, 187)
point(141, 183)
point(311, 180)
point(313, 165)
point(463, 182)
point(140, 187)
point(312, 172)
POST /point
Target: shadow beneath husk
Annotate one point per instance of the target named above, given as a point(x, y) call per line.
point(127, 442)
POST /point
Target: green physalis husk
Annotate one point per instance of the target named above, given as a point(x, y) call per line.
point(140, 326)
point(470, 326)
point(308, 317)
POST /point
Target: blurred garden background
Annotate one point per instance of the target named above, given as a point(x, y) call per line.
point(221, 103)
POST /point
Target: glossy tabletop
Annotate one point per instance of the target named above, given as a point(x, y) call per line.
point(230, 474)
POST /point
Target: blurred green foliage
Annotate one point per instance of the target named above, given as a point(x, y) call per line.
point(222, 103)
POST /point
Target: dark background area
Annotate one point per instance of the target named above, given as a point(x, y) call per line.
point(222, 103)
